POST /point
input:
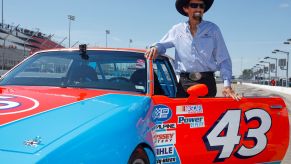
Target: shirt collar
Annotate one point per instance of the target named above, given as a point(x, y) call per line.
point(198, 26)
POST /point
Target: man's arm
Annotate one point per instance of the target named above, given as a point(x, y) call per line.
point(160, 47)
point(226, 73)
point(225, 65)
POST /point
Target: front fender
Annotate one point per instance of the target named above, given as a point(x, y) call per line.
point(109, 139)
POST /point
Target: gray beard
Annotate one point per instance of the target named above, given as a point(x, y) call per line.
point(197, 17)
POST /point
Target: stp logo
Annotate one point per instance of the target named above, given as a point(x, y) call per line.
point(161, 113)
point(12, 104)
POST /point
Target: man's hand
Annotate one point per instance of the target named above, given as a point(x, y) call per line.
point(151, 53)
point(229, 92)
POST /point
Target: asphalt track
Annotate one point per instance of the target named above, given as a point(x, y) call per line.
point(247, 90)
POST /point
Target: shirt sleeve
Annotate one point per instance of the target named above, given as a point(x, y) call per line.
point(222, 58)
point(166, 42)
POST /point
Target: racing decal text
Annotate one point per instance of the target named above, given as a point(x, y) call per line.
point(164, 151)
point(195, 122)
point(189, 109)
point(164, 126)
point(224, 134)
point(166, 160)
point(164, 138)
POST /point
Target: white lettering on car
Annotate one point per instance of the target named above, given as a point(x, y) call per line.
point(224, 134)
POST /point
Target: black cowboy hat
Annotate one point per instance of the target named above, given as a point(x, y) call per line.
point(181, 3)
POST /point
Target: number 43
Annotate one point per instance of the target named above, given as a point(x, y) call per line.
point(228, 124)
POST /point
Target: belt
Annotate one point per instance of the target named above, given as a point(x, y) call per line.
point(195, 76)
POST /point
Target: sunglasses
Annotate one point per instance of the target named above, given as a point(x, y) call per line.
point(196, 5)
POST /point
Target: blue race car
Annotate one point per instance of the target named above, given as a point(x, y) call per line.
point(114, 106)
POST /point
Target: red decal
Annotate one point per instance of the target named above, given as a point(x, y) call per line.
point(12, 104)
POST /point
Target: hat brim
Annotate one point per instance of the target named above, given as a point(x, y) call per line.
point(181, 3)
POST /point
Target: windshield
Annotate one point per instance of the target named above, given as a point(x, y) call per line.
point(114, 70)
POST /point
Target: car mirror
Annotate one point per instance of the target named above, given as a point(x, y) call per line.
point(196, 91)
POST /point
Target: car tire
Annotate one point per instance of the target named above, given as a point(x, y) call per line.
point(139, 156)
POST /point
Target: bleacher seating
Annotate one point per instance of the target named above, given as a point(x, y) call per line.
point(20, 37)
point(18, 43)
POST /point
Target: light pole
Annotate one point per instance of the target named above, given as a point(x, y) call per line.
point(263, 69)
point(71, 18)
point(254, 71)
point(268, 71)
point(276, 67)
point(2, 14)
point(287, 63)
point(130, 41)
point(288, 42)
point(258, 73)
point(106, 33)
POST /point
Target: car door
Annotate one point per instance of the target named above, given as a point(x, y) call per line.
point(213, 130)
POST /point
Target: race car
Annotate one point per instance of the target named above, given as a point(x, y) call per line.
point(106, 105)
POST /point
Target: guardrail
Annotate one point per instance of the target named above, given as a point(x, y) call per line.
point(271, 88)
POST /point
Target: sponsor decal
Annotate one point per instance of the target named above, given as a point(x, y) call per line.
point(189, 109)
point(12, 104)
point(164, 151)
point(164, 138)
point(161, 113)
point(166, 160)
point(140, 63)
point(230, 123)
point(195, 122)
point(164, 126)
point(33, 142)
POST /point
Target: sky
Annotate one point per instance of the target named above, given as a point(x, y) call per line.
point(252, 29)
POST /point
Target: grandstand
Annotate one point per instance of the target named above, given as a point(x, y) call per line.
point(17, 43)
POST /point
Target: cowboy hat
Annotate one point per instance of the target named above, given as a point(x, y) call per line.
point(182, 3)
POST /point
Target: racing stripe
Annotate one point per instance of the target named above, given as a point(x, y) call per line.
point(20, 102)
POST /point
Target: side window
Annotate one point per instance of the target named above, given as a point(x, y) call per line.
point(166, 72)
point(124, 74)
point(165, 77)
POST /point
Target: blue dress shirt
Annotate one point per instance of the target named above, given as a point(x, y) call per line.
point(204, 52)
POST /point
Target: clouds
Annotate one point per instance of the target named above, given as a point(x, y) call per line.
point(284, 5)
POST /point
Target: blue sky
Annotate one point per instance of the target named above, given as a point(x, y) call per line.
point(252, 29)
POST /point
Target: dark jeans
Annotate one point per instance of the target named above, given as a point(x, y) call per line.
point(185, 83)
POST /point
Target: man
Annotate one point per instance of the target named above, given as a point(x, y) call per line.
point(199, 49)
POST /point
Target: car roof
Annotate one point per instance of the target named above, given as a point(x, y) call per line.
point(96, 48)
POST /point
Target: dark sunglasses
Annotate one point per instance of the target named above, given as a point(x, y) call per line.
point(196, 5)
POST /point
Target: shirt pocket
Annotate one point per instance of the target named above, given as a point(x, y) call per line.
point(206, 45)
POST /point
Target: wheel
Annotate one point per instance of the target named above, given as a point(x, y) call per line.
point(139, 156)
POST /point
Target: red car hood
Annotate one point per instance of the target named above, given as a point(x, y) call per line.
point(18, 102)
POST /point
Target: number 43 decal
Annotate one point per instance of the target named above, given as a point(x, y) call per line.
point(224, 134)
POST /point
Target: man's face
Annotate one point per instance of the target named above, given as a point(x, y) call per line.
point(195, 9)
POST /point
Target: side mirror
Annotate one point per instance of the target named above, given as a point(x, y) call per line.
point(196, 91)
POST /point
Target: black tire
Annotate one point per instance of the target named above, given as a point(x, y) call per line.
point(139, 156)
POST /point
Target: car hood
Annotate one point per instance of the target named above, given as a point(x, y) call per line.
point(32, 118)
